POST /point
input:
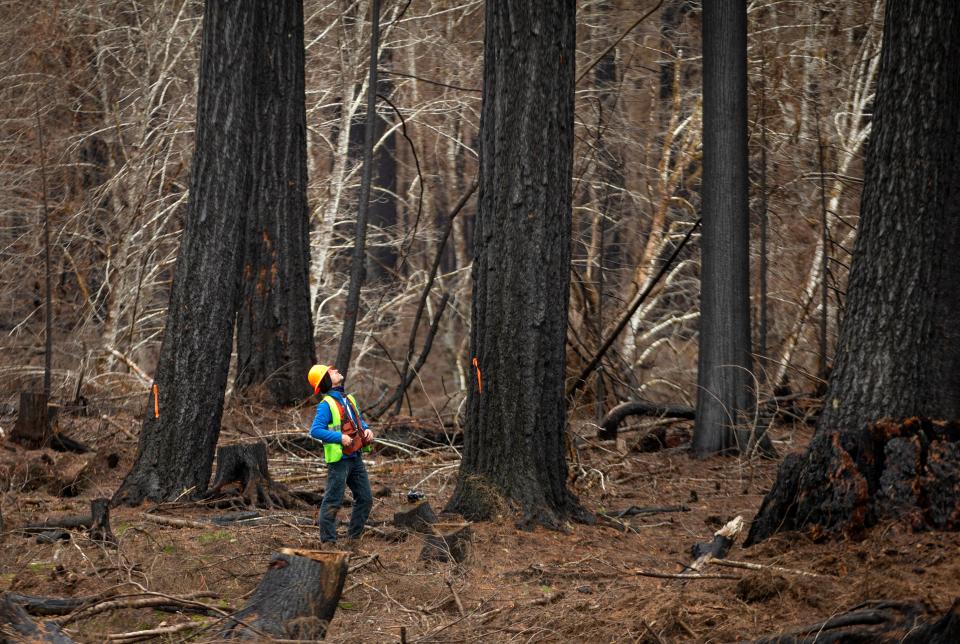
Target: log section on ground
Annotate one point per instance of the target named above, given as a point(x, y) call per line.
point(296, 598)
point(905, 470)
point(610, 422)
point(885, 622)
point(16, 625)
point(245, 465)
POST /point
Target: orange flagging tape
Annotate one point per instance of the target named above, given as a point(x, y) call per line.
point(476, 365)
point(156, 401)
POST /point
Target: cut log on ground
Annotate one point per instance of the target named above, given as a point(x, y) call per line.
point(16, 625)
point(448, 542)
point(245, 465)
point(610, 422)
point(894, 470)
point(55, 605)
point(296, 598)
point(97, 524)
point(723, 540)
point(634, 510)
point(880, 623)
point(420, 517)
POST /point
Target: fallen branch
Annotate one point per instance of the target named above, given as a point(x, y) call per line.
point(613, 418)
point(635, 510)
point(755, 566)
point(722, 542)
point(23, 628)
point(134, 636)
point(681, 575)
point(185, 603)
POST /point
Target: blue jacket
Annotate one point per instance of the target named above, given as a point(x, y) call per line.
point(320, 422)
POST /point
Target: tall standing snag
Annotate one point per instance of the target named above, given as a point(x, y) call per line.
point(898, 355)
point(274, 325)
point(180, 432)
point(516, 417)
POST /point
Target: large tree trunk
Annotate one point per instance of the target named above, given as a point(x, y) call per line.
point(899, 350)
point(725, 395)
point(274, 325)
point(179, 434)
point(516, 419)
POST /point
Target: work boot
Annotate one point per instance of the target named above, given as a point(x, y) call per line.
point(353, 547)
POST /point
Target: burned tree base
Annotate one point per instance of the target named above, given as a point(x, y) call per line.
point(907, 471)
point(242, 469)
point(37, 426)
point(296, 598)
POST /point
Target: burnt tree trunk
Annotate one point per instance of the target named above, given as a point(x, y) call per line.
point(274, 324)
point(296, 598)
point(245, 464)
point(34, 426)
point(725, 388)
point(100, 522)
point(516, 416)
point(898, 354)
point(177, 443)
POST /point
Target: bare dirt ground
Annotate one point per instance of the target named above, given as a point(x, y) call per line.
point(582, 584)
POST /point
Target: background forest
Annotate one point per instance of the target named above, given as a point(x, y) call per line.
point(113, 87)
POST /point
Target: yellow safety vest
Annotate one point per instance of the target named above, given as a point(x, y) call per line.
point(333, 452)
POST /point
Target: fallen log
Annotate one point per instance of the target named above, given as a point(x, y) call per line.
point(245, 465)
point(47, 606)
point(296, 599)
point(97, 524)
point(613, 418)
point(883, 622)
point(634, 510)
point(16, 625)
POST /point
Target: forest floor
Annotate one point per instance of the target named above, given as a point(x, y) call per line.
point(582, 584)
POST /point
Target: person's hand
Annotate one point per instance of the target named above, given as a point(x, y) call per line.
point(345, 440)
point(367, 435)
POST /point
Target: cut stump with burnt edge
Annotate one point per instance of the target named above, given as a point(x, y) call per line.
point(905, 470)
point(296, 599)
point(448, 542)
point(37, 425)
point(419, 518)
point(16, 625)
point(245, 464)
point(100, 522)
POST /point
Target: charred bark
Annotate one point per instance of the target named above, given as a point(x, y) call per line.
point(100, 522)
point(516, 416)
point(907, 471)
point(274, 322)
point(725, 387)
point(178, 437)
point(244, 465)
point(419, 518)
point(16, 626)
point(296, 599)
point(898, 354)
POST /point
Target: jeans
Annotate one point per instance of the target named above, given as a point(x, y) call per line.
point(347, 472)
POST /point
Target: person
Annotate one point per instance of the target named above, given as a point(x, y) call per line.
point(342, 454)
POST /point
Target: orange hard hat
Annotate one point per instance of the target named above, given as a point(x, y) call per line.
point(316, 374)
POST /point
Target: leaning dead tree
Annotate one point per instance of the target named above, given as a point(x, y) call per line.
point(296, 599)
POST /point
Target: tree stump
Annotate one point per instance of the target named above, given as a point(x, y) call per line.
point(100, 522)
point(35, 421)
point(901, 470)
point(16, 626)
point(448, 542)
point(419, 518)
point(245, 464)
point(296, 598)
